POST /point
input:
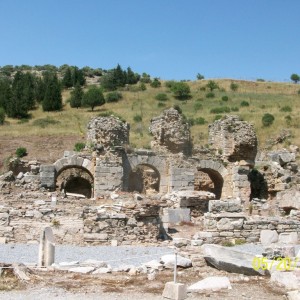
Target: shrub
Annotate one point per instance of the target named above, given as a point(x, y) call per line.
point(181, 90)
point(113, 97)
point(235, 108)
point(210, 95)
point(45, 122)
point(298, 92)
point(21, 152)
point(218, 117)
point(137, 118)
point(286, 108)
point(191, 121)
point(234, 86)
point(178, 108)
point(220, 110)
point(2, 115)
point(288, 119)
point(198, 106)
point(155, 83)
point(244, 103)
point(225, 98)
point(200, 121)
point(212, 85)
point(161, 97)
point(260, 80)
point(170, 83)
point(79, 146)
point(161, 104)
point(142, 86)
point(267, 119)
point(203, 89)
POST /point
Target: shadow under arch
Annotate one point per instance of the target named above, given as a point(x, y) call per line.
point(202, 184)
point(75, 179)
point(143, 178)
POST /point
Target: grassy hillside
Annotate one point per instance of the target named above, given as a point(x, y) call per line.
point(263, 97)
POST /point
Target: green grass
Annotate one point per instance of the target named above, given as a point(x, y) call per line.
point(263, 97)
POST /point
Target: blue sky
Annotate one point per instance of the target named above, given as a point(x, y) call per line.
point(170, 39)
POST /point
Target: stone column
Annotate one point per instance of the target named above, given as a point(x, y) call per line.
point(47, 248)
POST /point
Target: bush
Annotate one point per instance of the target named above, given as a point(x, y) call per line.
point(113, 97)
point(181, 90)
point(45, 122)
point(225, 98)
point(155, 83)
point(234, 86)
point(203, 88)
point(260, 80)
point(286, 108)
point(161, 104)
point(288, 119)
point(218, 117)
point(137, 118)
point(142, 86)
point(210, 95)
point(178, 108)
point(235, 108)
point(21, 152)
point(244, 103)
point(267, 119)
point(79, 146)
point(170, 83)
point(191, 121)
point(220, 110)
point(212, 85)
point(200, 121)
point(198, 106)
point(161, 97)
point(2, 115)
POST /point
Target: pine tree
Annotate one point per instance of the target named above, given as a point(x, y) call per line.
point(5, 92)
point(40, 87)
point(76, 96)
point(67, 79)
point(53, 99)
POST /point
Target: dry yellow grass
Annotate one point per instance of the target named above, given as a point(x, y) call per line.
point(263, 97)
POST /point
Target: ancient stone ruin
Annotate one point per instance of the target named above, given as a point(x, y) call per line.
point(107, 193)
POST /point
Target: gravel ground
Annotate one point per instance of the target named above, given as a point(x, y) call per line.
point(115, 256)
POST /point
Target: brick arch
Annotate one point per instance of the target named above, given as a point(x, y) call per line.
point(157, 163)
point(216, 172)
point(73, 162)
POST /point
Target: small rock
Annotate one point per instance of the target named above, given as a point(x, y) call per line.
point(103, 270)
point(210, 284)
point(169, 261)
point(83, 270)
point(151, 276)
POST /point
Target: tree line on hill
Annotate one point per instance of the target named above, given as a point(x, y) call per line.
point(23, 88)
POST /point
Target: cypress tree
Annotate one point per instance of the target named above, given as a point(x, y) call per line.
point(53, 99)
point(67, 79)
point(5, 92)
point(76, 96)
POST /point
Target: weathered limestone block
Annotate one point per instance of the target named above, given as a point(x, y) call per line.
point(289, 199)
point(232, 205)
point(108, 132)
point(234, 138)
point(170, 132)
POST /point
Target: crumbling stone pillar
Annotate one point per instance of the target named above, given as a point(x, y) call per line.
point(47, 248)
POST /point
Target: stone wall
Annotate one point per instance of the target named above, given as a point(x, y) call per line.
point(79, 222)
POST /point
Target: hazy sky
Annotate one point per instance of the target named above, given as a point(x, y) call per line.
point(170, 39)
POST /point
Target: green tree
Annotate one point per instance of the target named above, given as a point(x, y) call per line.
point(295, 78)
point(93, 97)
point(145, 78)
point(78, 76)
point(76, 96)
point(155, 83)
point(22, 99)
point(53, 98)
point(132, 78)
point(2, 115)
point(181, 90)
point(67, 80)
point(199, 76)
point(5, 92)
point(40, 87)
point(212, 85)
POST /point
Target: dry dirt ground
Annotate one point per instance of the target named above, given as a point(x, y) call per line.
point(46, 149)
point(64, 285)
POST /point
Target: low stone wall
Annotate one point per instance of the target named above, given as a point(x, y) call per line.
point(77, 222)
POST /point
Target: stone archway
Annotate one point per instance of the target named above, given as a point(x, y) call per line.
point(209, 180)
point(76, 180)
point(144, 179)
point(210, 177)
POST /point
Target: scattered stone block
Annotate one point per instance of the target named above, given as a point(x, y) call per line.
point(288, 280)
point(178, 215)
point(293, 295)
point(154, 264)
point(210, 284)
point(169, 261)
point(83, 270)
point(268, 237)
point(175, 291)
point(103, 270)
point(3, 240)
point(288, 238)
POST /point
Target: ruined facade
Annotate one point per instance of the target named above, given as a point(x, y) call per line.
point(106, 188)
